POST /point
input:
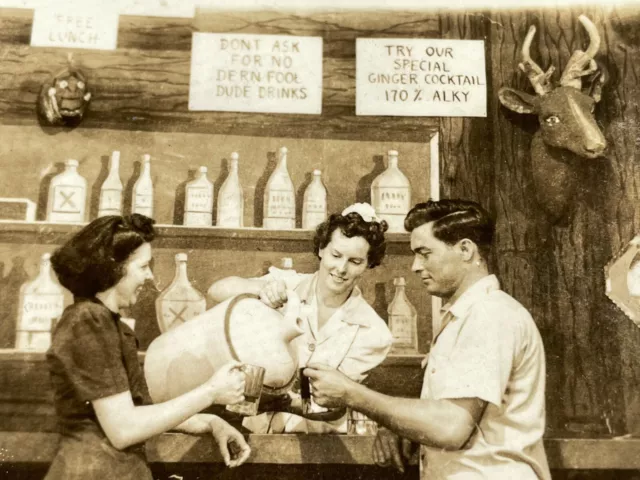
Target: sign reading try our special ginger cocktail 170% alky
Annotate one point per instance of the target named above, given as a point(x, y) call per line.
point(256, 73)
point(420, 77)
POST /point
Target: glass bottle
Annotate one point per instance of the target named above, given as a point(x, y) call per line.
point(198, 202)
point(391, 194)
point(231, 198)
point(142, 201)
point(67, 195)
point(314, 205)
point(180, 301)
point(111, 190)
point(403, 321)
point(279, 198)
point(41, 304)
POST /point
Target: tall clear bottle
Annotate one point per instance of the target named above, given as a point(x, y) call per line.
point(198, 201)
point(67, 196)
point(111, 191)
point(391, 194)
point(41, 303)
point(180, 301)
point(403, 321)
point(279, 198)
point(231, 198)
point(314, 204)
point(142, 198)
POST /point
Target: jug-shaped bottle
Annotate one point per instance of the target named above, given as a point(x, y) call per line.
point(142, 198)
point(231, 198)
point(198, 201)
point(111, 191)
point(391, 194)
point(314, 204)
point(41, 303)
point(67, 195)
point(279, 198)
point(241, 328)
point(180, 301)
point(403, 321)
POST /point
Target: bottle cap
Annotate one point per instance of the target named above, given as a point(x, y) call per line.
point(146, 157)
point(181, 257)
point(393, 153)
point(399, 281)
point(287, 262)
point(235, 156)
point(46, 257)
point(317, 172)
point(71, 163)
point(202, 169)
point(283, 150)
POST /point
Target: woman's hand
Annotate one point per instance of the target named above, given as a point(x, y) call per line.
point(274, 294)
point(228, 384)
point(233, 447)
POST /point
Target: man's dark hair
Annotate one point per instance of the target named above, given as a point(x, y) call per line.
point(454, 220)
point(94, 259)
point(353, 225)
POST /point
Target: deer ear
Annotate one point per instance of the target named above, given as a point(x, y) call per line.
point(518, 101)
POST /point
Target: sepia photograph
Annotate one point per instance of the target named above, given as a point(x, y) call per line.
point(288, 239)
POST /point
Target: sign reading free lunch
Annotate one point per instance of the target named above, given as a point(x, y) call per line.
point(420, 77)
point(256, 73)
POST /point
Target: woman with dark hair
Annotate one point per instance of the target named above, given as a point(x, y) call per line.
point(101, 396)
point(340, 328)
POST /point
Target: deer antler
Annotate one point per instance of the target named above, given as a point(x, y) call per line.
point(582, 63)
point(539, 79)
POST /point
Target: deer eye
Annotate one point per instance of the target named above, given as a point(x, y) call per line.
point(552, 120)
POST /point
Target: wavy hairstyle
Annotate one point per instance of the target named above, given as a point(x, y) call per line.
point(94, 259)
point(454, 220)
point(353, 225)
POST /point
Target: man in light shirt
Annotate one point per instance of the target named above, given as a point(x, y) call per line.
point(481, 414)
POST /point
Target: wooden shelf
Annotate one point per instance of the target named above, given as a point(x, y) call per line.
point(179, 236)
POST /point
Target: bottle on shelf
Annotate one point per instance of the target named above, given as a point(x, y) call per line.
point(142, 198)
point(41, 302)
point(314, 204)
point(111, 191)
point(231, 198)
point(67, 196)
point(403, 321)
point(391, 194)
point(279, 198)
point(198, 201)
point(180, 301)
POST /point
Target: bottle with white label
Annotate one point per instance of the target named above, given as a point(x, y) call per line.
point(67, 196)
point(231, 198)
point(180, 301)
point(198, 201)
point(314, 205)
point(41, 304)
point(403, 321)
point(111, 190)
point(279, 198)
point(391, 194)
point(142, 198)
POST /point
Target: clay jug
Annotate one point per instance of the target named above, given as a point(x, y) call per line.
point(241, 328)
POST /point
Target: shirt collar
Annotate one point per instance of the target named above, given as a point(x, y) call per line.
point(347, 311)
point(463, 304)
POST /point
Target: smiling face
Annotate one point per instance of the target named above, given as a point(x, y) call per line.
point(342, 262)
point(136, 271)
point(439, 265)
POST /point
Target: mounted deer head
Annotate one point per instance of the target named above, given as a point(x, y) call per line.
point(568, 129)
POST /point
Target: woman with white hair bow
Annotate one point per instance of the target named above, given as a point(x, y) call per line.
point(340, 328)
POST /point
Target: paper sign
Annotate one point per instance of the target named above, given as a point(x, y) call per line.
point(256, 73)
point(74, 26)
point(420, 77)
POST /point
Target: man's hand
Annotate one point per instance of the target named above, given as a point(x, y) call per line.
point(386, 450)
point(330, 388)
point(233, 447)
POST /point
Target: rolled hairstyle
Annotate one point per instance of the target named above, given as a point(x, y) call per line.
point(454, 220)
point(94, 259)
point(353, 225)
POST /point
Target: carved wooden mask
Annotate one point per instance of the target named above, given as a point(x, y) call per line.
point(63, 100)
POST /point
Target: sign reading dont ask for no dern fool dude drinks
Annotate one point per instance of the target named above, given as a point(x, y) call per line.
point(420, 77)
point(256, 73)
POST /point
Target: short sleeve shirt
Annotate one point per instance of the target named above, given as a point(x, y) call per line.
point(490, 349)
point(93, 355)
